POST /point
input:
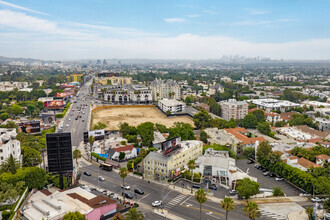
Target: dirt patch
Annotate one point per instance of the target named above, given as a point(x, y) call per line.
point(114, 117)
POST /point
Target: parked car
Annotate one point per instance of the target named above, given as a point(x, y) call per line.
point(271, 175)
point(327, 216)
point(87, 173)
point(233, 192)
point(156, 203)
point(125, 187)
point(266, 173)
point(214, 187)
point(316, 199)
point(250, 161)
point(196, 186)
point(257, 165)
point(101, 178)
point(139, 191)
point(264, 170)
point(279, 178)
point(127, 195)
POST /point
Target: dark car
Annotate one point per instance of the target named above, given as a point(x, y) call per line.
point(213, 187)
point(87, 173)
point(139, 191)
point(271, 175)
point(233, 192)
point(196, 186)
point(127, 195)
point(250, 161)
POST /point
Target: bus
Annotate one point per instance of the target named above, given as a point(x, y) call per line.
point(106, 166)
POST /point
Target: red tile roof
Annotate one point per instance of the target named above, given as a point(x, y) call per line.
point(323, 157)
point(237, 132)
point(306, 163)
point(125, 148)
point(95, 202)
point(293, 157)
point(46, 192)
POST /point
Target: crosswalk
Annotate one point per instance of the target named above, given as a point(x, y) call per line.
point(176, 201)
point(272, 215)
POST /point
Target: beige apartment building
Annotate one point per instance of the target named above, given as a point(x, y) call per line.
point(165, 89)
point(157, 165)
point(233, 109)
point(114, 80)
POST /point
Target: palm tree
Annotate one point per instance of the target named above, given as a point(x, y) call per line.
point(200, 197)
point(11, 164)
point(191, 166)
point(134, 214)
point(91, 140)
point(123, 172)
point(77, 155)
point(251, 210)
point(227, 204)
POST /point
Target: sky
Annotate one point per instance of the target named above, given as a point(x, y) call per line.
point(165, 29)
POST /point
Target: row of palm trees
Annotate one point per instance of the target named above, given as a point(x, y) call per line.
point(250, 209)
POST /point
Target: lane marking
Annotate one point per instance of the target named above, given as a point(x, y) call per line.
point(203, 210)
point(167, 194)
point(185, 200)
point(144, 197)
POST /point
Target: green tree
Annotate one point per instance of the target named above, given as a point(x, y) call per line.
point(247, 188)
point(121, 155)
point(74, 216)
point(77, 155)
point(131, 138)
point(31, 108)
point(260, 115)
point(16, 110)
point(10, 165)
point(146, 132)
point(183, 130)
point(326, 205)
point(309, 212)
point(251, 210)
point(99, 126)
point(31, 157)
point(134, 214)
point(4, 116)
point(123, 143)
point(264, 149)
point(168, 113)
point(203, 136)
point(143, 152)
point(227, 204)
point(91, 140)
point(161, 128)
point(200, 197)
point(118, 216)
point(191, 166)
point(250, 121)
point(215, 108)
point(202, 119)
point(123, 172)
point(264, 128)
point(249, 152)
point(277, 191)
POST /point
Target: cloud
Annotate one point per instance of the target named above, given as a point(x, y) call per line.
point(174, 20)
point(256, 22)
point(193, 16)
point(211, 12)
point(22, 8)
point(258, 11)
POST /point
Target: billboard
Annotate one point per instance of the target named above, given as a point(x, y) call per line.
point(55, 104)
point(30, 127)
point(170, 145)
point(59, 152)
point(48, 118)
point(97, 134)
point(61, 95)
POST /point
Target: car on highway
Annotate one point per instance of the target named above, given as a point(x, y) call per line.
point(127, 195)
point(233, 192)
point(279, 178)
point(316, 199)
point(125, 187)
point(214, 187)
point(101, 178)
point(138, 191)
point(156, 203)
point(87, 173)
point(196, 186)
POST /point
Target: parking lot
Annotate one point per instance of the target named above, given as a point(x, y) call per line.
point(267, 182)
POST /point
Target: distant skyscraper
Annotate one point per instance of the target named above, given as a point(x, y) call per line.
point(104, 62)
point(119, 64)
point(98, 62)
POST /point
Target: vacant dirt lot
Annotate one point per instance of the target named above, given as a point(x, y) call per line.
point(113, 117)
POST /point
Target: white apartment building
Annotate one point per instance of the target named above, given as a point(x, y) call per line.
point(161, 166)
point(9, 145)
point(286, 78)
point(233, 109)
point(171, 105)
point(165, 89)
point(273, 104)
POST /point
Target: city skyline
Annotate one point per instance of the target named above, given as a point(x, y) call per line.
point(297, 30)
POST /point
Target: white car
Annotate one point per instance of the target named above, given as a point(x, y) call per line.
point(125, 187)
point(101, 178)
point(67, 125)
point(69, 119)
point(156, 203)
point(278, 178)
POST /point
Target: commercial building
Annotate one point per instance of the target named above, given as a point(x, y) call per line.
point(171, 105)
point(165, 89)
point(273, 104)
point(75, 77)
point(114, 80)
point(163, 165)
point(233, 109)
point(54, 204)
point(9, 145)
point(124, 93)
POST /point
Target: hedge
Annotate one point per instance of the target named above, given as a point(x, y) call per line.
point(5, 207)
point(6, 214)
point(98, 157)
point(61, 115)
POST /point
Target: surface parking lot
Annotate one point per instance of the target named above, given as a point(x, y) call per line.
point(267, 182)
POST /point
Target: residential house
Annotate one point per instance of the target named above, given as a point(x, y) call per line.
point(9, 145)
point(321, 159)
point(129, 150)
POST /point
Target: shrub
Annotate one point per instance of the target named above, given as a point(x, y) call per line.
point(277, 191)
point(6, 214)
